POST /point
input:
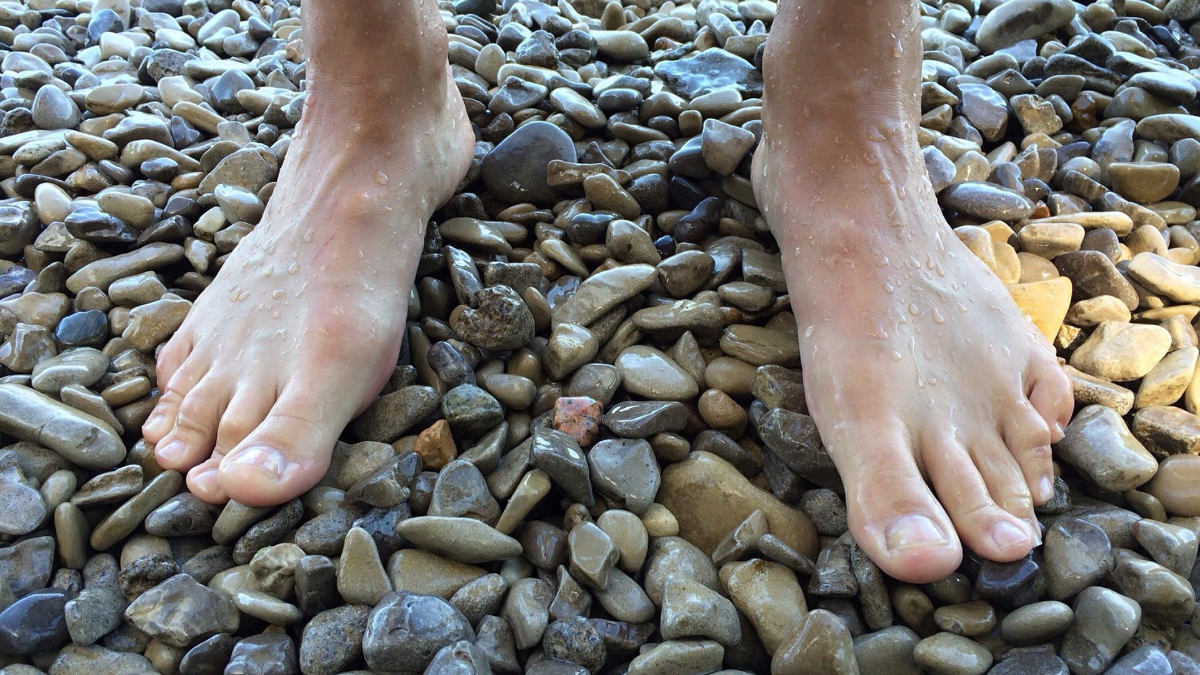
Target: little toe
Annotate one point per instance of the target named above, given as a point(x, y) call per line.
point(202, 481)
point(190, 441)
point(172, 355)
point(892, 513)
point(983, 526)
point(174, 390)
point(288, 453)
point(1050, 392)
point(1028, 439)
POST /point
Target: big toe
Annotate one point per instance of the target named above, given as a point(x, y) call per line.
point(285, 456)
point(893, 515)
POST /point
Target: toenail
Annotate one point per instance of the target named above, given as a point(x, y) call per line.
point(154, 424)
point(913, 531)
point(171, 452)
point(1007, 535)
point(268, 460)
point(206, 480)
point(1046, 488)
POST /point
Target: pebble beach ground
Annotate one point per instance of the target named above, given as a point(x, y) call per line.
point(594, 456)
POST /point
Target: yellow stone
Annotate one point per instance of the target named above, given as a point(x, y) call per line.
point(1044, 302)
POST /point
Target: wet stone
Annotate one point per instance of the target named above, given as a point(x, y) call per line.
point(561, 458)
point(332, 640)
point(575, 640)
point(264, 654)
point(1104, 621)
point(34, 623)
point(180, 610)
point(405, 631)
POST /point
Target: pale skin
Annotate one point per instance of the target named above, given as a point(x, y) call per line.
point(936, 398)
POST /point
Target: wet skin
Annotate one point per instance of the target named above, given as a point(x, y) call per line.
point(936, 398)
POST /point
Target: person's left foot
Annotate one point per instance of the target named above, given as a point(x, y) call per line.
point(916, 361)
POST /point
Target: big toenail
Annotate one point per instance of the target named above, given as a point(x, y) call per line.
point(171, 452)
point(1046, 488)
point(1007, 535)
point(268, 460)
point(913, 531)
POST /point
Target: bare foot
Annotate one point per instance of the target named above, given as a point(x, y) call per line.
point(302, 326)
point(917, 363)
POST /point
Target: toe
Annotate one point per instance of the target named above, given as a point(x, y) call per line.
point(984, 526)
point(1028, 440)
point(172, 355)
point(892, 513)
point(190, 441)
point(202, 481)
point(1005, 481)
point(289, 452)
point(244, 414)
point(181, 382)
point(1049, 390)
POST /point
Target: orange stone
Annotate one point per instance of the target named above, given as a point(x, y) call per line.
point(436, 446)
point(579, 418)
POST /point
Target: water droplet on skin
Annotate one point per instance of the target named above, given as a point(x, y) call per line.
point(938, 318)
point(308, 236)
point(381, 177)
point(896, 356)
point(913, 309)
point(809, 331)
point(293, 268)
point(888, 288)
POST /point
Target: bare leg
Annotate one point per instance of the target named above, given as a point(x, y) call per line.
point(303, 324)
point(918, 363)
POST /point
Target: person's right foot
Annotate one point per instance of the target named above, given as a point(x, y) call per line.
point(302, 326)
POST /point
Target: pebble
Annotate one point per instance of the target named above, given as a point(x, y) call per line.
point(405, 631)
point(1104, 621)
point(821, 643)
point(34, 623)
point(769, 595)
point(77, 436)
point(1098, 443)
point(180, 610)
point(710, 497)
point(513, 170)
point(463, 539)
point(607, 361)
point(625, 470)
point(950, 654)
point(690, 609)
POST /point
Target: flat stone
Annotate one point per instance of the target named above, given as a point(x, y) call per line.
point(710, 498)
point(84, 440)
point(1010, 23)
point(1120, 352)
point(463, 539)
